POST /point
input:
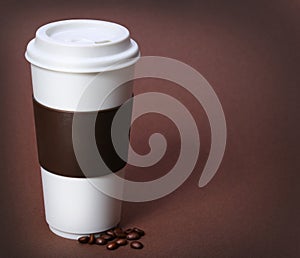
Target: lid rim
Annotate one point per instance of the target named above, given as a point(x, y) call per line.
point(98, 69)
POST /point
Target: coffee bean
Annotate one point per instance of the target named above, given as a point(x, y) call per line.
point(121, 241)
point(107, 237)
point(118, 234)
point(112, 246)
point(83, 240)
point(127, 231)
point(139, 231)
point(92, 239)
point(100, 241)
point(133, 236)
point(121, 235)
point(118, 231)
point(136, 245)
point(110, 232)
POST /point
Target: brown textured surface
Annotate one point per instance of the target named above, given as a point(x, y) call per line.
point(249, 52)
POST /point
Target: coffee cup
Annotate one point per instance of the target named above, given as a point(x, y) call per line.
point(66, 57)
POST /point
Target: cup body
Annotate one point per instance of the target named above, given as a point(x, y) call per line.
point(73, 206)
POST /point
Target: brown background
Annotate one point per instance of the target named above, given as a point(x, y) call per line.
point(249, 52)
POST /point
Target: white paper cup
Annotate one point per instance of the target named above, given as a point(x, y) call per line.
point(65, 57)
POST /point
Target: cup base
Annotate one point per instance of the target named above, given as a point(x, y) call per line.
point(74, 236)
point(74, 207)
point(65, 234)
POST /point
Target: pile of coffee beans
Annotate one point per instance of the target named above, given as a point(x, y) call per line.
point(115, 238)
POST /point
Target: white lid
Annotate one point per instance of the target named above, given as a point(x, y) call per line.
point(82, 46)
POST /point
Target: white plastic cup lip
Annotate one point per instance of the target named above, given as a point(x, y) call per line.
point(82, 46)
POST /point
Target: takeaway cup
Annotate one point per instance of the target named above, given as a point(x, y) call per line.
point(66, 57)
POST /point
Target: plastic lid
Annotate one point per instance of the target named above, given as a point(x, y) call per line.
point(82, 46)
